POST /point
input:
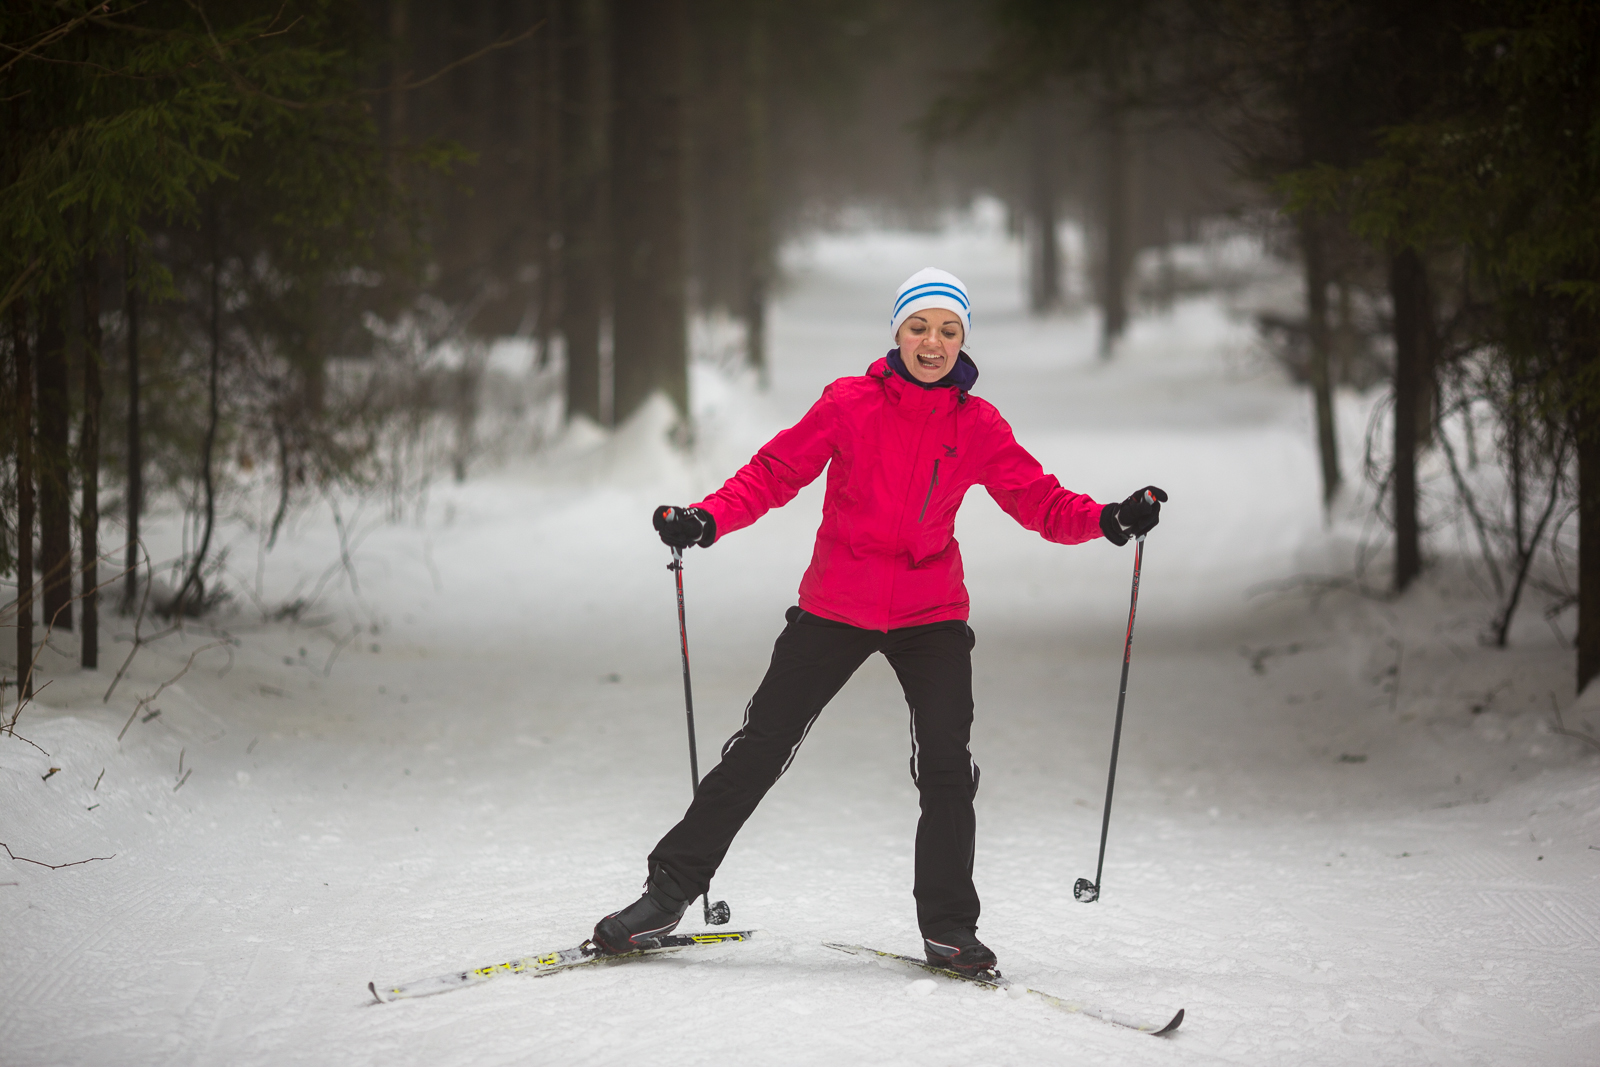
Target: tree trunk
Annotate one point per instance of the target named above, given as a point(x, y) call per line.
point(650, 343)
point(54, 467)
point(395, 116)
point(584, 134)
point(1044, 255)
point(1314, 255)
point(1413, 329)
point(758, 198)
point(135, 493)
point(89, 462)
point(23, 356)
point(552, 143)
point(1118, 251)
point(1587, 419)
point(193, 592)
point(1588, 552)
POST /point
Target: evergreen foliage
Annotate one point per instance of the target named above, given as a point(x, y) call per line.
point(314, 202)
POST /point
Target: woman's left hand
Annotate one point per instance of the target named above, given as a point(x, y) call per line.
point(1134, 517)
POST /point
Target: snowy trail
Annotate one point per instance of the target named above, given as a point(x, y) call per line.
point(1318, 848)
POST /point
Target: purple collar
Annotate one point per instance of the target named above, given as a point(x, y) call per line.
point(963, 376)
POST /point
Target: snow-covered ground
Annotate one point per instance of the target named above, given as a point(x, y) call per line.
point(1343, 831)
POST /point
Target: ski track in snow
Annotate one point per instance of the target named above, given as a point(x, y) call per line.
point(499, 792)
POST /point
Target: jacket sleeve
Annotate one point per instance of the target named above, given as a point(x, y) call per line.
point(1035, 499)
point(785, 465)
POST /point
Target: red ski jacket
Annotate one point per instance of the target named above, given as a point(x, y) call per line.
point(902, 457)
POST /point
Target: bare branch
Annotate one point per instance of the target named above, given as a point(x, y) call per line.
point(19, 737)
point(52, 866)
point(51, 36)
point(14, 290)
point(327, 668)
point(25, 681)
point(170, 681)
point(1471, 504)
point(138, 640)
point(464, 60)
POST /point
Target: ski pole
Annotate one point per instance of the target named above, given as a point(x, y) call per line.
point(718, 913)
point(1084, 890)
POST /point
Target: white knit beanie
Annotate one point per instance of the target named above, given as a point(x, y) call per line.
point(931, 287)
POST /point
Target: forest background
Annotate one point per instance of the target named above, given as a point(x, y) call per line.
point(256, 255)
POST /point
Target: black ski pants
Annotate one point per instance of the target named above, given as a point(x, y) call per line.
point(811, 661)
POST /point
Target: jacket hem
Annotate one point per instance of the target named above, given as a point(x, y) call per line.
point(952, 613)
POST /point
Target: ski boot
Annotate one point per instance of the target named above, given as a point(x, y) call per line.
point(960, 951)
point(638, 925)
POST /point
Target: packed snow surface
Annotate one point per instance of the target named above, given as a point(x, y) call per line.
point(1343, 831)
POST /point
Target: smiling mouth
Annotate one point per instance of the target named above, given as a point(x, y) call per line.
point(930, 362)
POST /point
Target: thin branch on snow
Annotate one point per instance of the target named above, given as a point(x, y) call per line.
point(52, 866)
point(137, 708)
point(19, 737)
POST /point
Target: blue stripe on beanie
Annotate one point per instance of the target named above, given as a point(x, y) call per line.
point(931, 287)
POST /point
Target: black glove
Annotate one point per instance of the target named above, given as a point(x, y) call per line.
point(1134, 517)
point(682, 527)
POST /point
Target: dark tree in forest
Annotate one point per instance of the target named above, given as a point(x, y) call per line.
point(1314, 259)
point(1044, 252)
point(1485, 148)
point(1294, 95)
point(1416, 57)
point(133, 459)
point(584, 132)
point(757, 258)
point(89, 461)
point(1343, 73)
point(53, 463)
point(1121, 63)
point(1413, 347)
point(649, 302)
point(22, 361)
point(1116, 227)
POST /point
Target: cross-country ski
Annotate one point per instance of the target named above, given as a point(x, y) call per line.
point(545, 963)
point(995, 980)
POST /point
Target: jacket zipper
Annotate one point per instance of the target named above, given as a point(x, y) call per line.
point(930, 491)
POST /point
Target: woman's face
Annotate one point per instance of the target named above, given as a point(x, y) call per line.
point(930, 340)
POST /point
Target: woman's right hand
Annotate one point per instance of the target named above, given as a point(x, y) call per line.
point(682, 527)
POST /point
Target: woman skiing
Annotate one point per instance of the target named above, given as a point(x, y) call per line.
point(902, 444)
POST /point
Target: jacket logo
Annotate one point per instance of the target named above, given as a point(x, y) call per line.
point(950, 451)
